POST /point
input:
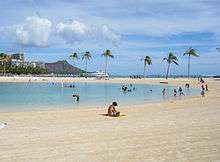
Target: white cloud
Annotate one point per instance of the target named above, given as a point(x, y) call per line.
point(34, 32)
point(106, 33)
point(75, 31)
point(72, 31)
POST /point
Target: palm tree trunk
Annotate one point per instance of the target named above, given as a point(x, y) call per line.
point(106, 64)
point(144, 71)
point(86, 68)
point(168, 69)
point(188, 66)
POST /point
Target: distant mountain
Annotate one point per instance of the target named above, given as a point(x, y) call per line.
point(62, 67)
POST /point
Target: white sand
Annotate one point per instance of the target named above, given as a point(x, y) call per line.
point(181, 130)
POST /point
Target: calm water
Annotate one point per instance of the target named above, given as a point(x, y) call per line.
point(42, 96)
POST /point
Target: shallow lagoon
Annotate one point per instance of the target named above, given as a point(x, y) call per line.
point(43, 96)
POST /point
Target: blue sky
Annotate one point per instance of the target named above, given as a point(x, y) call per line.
point(49, 30)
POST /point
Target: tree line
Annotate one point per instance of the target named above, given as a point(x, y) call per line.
point(26, 70)
point(5, 67)
point(170, 59)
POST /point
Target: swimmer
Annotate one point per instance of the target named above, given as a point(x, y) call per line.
point(77, 97)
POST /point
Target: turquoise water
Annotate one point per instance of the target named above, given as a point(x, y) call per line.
point(43, 96)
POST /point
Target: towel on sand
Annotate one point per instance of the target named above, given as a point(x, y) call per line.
point(2, 125)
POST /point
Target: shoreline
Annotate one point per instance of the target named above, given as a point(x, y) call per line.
point(172, 81)
point(181, 130)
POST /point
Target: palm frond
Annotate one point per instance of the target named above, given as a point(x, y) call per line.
point(111, 56)
point(174, 58)
point(171, 58)
point(108, 53)
point(148, 60)
point(175, 62)
point(191, 52)
point(74, 56)
point(165, 59)
point(87, 56)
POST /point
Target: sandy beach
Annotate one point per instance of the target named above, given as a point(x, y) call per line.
point(176, 130)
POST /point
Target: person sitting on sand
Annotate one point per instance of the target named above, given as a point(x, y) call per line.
point(112, 110)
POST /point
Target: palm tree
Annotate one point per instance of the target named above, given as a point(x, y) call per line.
point(107, 54)
point(74, 56)
point(87, 56)
point(170, 59)
point(147, 61)
point(4, 58)
point(190, 52)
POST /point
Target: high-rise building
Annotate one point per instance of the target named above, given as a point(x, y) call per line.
point(17, 57)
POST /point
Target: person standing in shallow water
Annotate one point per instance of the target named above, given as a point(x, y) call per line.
point(203, 92)
point(181, 91)
point(187, 85)
point(206, 87)
point(174, 92)
point(164, 91)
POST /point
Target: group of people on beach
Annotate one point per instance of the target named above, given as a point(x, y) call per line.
point(204, 86)
point(136, 77)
